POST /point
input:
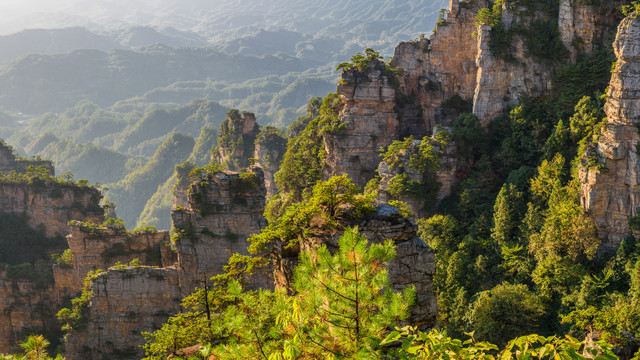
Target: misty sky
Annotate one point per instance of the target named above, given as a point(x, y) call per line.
point(16, 15)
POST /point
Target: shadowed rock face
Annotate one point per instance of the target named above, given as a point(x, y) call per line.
point(613, 196)
point(124, 303)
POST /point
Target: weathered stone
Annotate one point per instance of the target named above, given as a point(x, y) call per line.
point(420, 206)
point(124, 303)
point(105, 248)
point(613, 196)
point(216, 223)
point(24, 304)
point(51, 205)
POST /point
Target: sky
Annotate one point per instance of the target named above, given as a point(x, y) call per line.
point(16, 15)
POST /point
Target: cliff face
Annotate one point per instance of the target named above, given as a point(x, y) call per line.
point(103, 248)
point(414, 264)
point(441, 179)
point(236, 140)
point(612, 196)
point(269, 151)
point(436, 69)
point(456, 70)
point(124, 303)
point(223, 211)
point(503, 80)
point(24, 304)
point(51, 205)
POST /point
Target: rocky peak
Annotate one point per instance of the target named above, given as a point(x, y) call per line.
point(236, 140)
point(370, 123)
point(224, 209)
point(612, 194)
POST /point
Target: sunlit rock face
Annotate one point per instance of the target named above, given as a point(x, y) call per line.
point(612, 196)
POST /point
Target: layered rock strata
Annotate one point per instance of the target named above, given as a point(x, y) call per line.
point(24, 304)
point(125, 302)
point(52, 205)
point(102, 248)
point(612, 195)
point(223, 210)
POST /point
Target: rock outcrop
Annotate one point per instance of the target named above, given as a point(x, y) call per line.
point(52, 205)
point(502, 81)
point(414, 264)
point(269, 151)
point(612, 195)
point(224, 209)
point(9, 162)
point(25, 304)
point(435, 184)
point(102, 247)
point(236, 140)
point(124, 303)
point(436, 69)
point(370, 123)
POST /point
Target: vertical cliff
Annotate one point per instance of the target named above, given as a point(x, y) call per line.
point(102, 247)
point(436, 69)
point(612, 194)
point(26, 296)
point(124, 302)
point(51, 204)
point(270, 147)
point(236, 140)
point(519, 53)
point(224, 209)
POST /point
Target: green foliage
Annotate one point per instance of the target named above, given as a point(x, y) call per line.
point(75, 317)
point(244, 183)
point(491, 16)
point(303, 162)
point(64, 260)
point(402, 207)
point(437, 345)
point(588, 76)
point(329, 202)
point(234, 142)
point(341, 307)
point(272, 142)
point(544, 41)
point(504, 312)
point(362, 62)
point(631, 10)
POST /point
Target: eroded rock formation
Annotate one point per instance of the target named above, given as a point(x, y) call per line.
point(101, 248)
point(52, 205)
point(224, 209)
point(444, 176)
point(9, 162)
point(612, 195)
point(125, 302)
